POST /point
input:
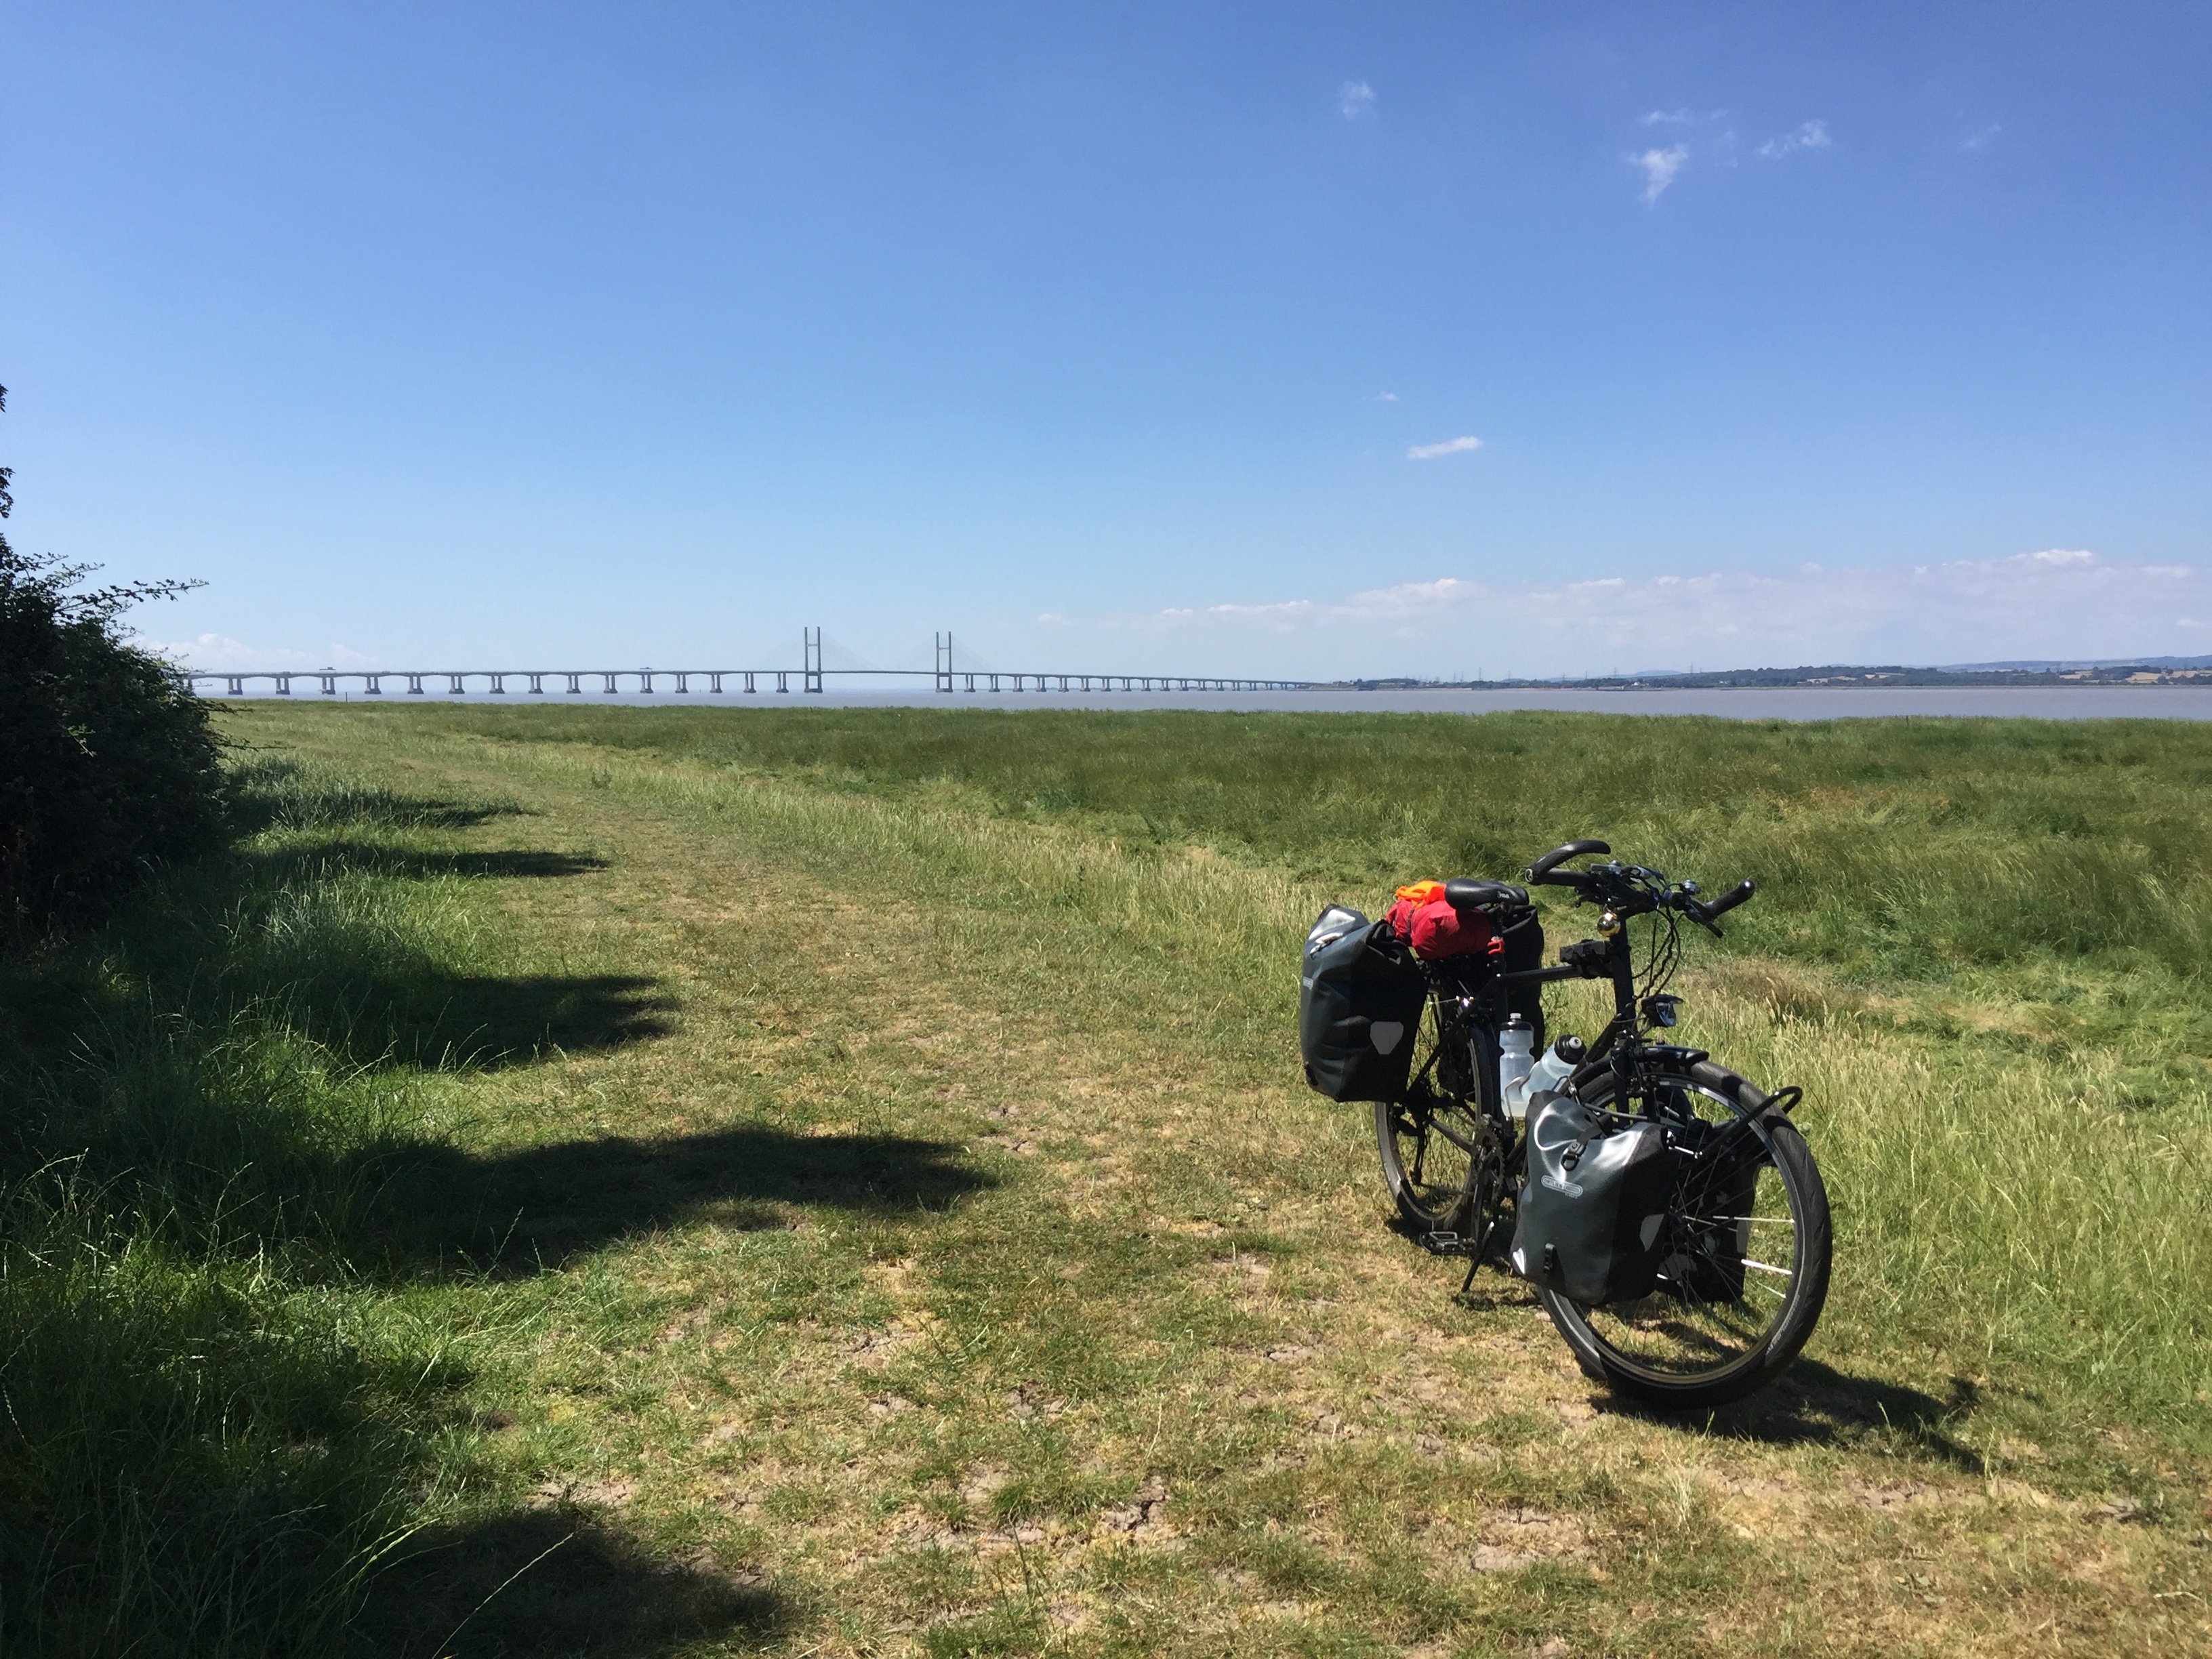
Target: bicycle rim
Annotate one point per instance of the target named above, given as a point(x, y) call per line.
point(1736, 1270)
point(1431, 1141)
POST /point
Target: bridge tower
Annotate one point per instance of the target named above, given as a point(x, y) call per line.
point(943, 661)
point(811, 638)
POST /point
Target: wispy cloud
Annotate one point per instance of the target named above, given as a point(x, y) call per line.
point(1448, 447)
point(1383, 398)
point(1660, 167)
point(219, 653)
point(1981, 138)
point(1052, 618)
point(2055, 602)
point(1813, 134)
point(1683, 118)
point(1355, 99)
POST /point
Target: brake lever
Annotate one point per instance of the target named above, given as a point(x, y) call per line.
point(1696, 912)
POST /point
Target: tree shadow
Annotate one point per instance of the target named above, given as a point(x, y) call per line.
point(271, 792)
point(556, 1581)
point(1814, 1404)
point(428, 1018)
point(533, 1209)
point(410, 865)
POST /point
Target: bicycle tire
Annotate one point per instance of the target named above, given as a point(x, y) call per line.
point(1609, 1342)
point(1432, 1137)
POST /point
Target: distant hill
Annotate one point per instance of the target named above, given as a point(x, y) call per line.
point(2117, 670)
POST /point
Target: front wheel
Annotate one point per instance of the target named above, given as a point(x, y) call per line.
point(1744, 1270)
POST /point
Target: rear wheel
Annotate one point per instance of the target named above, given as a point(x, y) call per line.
point(1439, 1157)
point(1746, 1254)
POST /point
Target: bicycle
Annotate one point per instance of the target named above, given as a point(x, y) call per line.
point(1745, 1250)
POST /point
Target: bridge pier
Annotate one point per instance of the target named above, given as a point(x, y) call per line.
point(330, 684)
point(645, 681)
point(575, 684)
point(783, 679)
point(372, 685)
point(538, 685)
point(237, 682)
point(499, 685)
point(683, 682)
point(750, 686)
point(716, 686)
point(414, 686)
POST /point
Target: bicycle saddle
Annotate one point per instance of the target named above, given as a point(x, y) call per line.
point(1468, 893)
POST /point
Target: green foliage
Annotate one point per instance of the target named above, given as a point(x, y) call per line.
point(107, 763)
point(208, 1437)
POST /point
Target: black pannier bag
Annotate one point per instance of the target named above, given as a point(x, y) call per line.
point(1590, 1216)
point(1361, 996)
point(1524, 949)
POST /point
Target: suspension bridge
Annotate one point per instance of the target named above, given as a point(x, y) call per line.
point(809, 676)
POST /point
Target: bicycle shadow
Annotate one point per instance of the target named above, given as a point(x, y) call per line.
point(1814, 1404)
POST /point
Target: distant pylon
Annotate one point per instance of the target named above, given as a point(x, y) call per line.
point(811, 638)
point(944, 660)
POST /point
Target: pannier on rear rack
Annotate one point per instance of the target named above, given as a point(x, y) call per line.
point(1360, 995)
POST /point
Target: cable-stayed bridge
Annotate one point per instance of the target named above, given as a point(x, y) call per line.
point(809, 676)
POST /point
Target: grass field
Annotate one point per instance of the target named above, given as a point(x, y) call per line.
point(642, 1181)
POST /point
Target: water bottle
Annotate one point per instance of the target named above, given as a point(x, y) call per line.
point(1558, 1064)
point(1516, 1046)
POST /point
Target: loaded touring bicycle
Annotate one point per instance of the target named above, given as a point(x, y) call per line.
point(1666, 1210)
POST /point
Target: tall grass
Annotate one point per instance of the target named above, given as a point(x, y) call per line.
point(210, 1436)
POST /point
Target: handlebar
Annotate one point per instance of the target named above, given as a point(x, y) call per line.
point(1541, 873)
point(1735, 896)
point(1704, 912)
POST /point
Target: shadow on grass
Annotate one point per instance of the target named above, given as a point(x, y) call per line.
point(556, 1581)
point(405, 864)
point(1814, 1404)
point(535, 1208)
point(273, 793)
point(416, 1014)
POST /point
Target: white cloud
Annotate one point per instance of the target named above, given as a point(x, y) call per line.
point(1355, 99)
point(1383, 398)
point(2058, 602)
point(219, 653)
point(1979, 138)
point(1813, 134)
point(1682, 118)
point(1052, 619)
point(1448, 447)
point(1660, 167)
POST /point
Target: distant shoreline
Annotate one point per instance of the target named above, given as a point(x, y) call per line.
point(1802, 703)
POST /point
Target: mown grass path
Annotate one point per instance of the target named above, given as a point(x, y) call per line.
point(920, 1240)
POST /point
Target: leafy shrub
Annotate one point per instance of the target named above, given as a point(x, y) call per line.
point(107, 763)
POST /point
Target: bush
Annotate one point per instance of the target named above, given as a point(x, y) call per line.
point(107, 763)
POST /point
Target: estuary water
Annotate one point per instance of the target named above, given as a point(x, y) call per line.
point(1770, 703)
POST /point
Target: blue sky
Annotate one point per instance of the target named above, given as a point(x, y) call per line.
point(1118, 338)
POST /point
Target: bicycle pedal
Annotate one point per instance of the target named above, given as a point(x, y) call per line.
point(1445, 1244)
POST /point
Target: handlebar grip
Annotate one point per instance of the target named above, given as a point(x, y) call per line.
point(1728, 901)
point(1540, 870)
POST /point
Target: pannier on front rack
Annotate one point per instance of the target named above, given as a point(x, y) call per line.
point(1360, 995)
point(1590, 1219)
